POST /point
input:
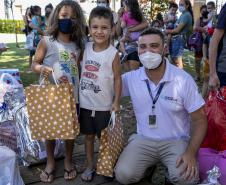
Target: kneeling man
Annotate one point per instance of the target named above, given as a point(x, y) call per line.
point(171, 122)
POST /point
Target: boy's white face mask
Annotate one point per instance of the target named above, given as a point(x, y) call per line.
point(150, 60)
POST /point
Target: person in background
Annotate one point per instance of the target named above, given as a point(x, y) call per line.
point(131, 59)
point(200, 27)
point(217, 53)
point(132, 16)
point(48, 11)
point(181, 33)
point(38, 26)
point(65, 38)
point(27, 20)
point(206, 43)
point(159, 17)
point(170, 20)
point(156, 24)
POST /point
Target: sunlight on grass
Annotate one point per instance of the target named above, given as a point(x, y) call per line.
point(18, 58)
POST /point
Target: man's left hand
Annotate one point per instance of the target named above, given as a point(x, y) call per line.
point(188, 164)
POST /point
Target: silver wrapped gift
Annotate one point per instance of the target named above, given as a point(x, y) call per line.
point(13, 108)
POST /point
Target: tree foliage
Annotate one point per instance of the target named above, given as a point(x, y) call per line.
point(152, 7)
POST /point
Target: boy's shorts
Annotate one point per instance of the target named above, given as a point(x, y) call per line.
point(93, 124)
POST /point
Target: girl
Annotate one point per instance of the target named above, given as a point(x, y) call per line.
point(100, 85)
point(59, 52)
point(181, 32)
point(132, 16)
point(130, 11)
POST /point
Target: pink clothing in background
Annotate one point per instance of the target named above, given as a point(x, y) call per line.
point(129, 20)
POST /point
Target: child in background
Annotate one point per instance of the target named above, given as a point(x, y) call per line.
point(132, 16)
point(212, 20)
point(100, 85)
point(59, 52)
point(170, 20)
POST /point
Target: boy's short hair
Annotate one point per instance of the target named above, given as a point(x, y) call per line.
point(101, 12)
point(211, 3)
point(173, 5)
point(153, 31)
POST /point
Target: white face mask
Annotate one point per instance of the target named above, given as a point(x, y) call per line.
point(102, 5)
point(150, 60)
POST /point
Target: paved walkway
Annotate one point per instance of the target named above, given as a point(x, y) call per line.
point(11, 38)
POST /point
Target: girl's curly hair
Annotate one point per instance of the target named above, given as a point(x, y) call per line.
point(79, 26)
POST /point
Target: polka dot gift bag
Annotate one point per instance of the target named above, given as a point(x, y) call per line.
point(52, 111)
point(111, 145)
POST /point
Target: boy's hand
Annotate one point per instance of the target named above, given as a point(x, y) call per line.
point(46, 71)
point(115, 107)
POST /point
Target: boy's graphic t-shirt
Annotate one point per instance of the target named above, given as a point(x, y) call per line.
point(97, 79)
point(62, 57)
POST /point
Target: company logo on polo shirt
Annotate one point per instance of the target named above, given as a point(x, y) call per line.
point(169, 98)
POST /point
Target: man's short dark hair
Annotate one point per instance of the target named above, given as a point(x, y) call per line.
point(173, 5)
point(153, 31)
point(101, 12)
point(211, 3)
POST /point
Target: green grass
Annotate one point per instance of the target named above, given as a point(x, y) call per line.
point(18, 58)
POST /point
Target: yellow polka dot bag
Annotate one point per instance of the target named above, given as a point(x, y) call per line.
point(111, 145)
point(52, 111)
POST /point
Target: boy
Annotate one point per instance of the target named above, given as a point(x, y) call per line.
point(100, 86)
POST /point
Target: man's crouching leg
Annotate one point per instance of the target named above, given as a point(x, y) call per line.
point(137, 156)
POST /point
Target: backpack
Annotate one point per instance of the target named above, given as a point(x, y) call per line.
point(195, 42)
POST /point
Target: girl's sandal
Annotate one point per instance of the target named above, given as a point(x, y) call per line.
point(48, 177)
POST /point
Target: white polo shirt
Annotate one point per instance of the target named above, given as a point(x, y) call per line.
point(178, 98)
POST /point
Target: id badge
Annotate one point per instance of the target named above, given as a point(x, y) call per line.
point(152, 121)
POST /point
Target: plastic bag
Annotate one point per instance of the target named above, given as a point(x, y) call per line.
point(13, 109)
point(9, 173)
point(29, 45)
point(215, 109)
point(208, 159)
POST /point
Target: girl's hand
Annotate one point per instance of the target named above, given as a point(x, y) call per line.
point(63, 79)
point(46, 71)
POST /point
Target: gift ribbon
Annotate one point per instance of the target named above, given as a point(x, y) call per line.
point(112, 121)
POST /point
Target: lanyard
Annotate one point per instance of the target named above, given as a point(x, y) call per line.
point(154, 100)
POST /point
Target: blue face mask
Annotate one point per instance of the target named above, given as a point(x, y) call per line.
point(65, 26)
point(181, 8)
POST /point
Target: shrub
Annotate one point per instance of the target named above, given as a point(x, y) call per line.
point(7, 26)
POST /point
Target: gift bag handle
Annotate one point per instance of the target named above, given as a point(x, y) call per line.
point(42, 82)
point(14, 84)
point(111, 123)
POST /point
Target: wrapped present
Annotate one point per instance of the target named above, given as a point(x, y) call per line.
point(52, 111)
point(9, 173)
point(14, 72)
point(111, 145)
point(8, 135)
point(32, 151)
